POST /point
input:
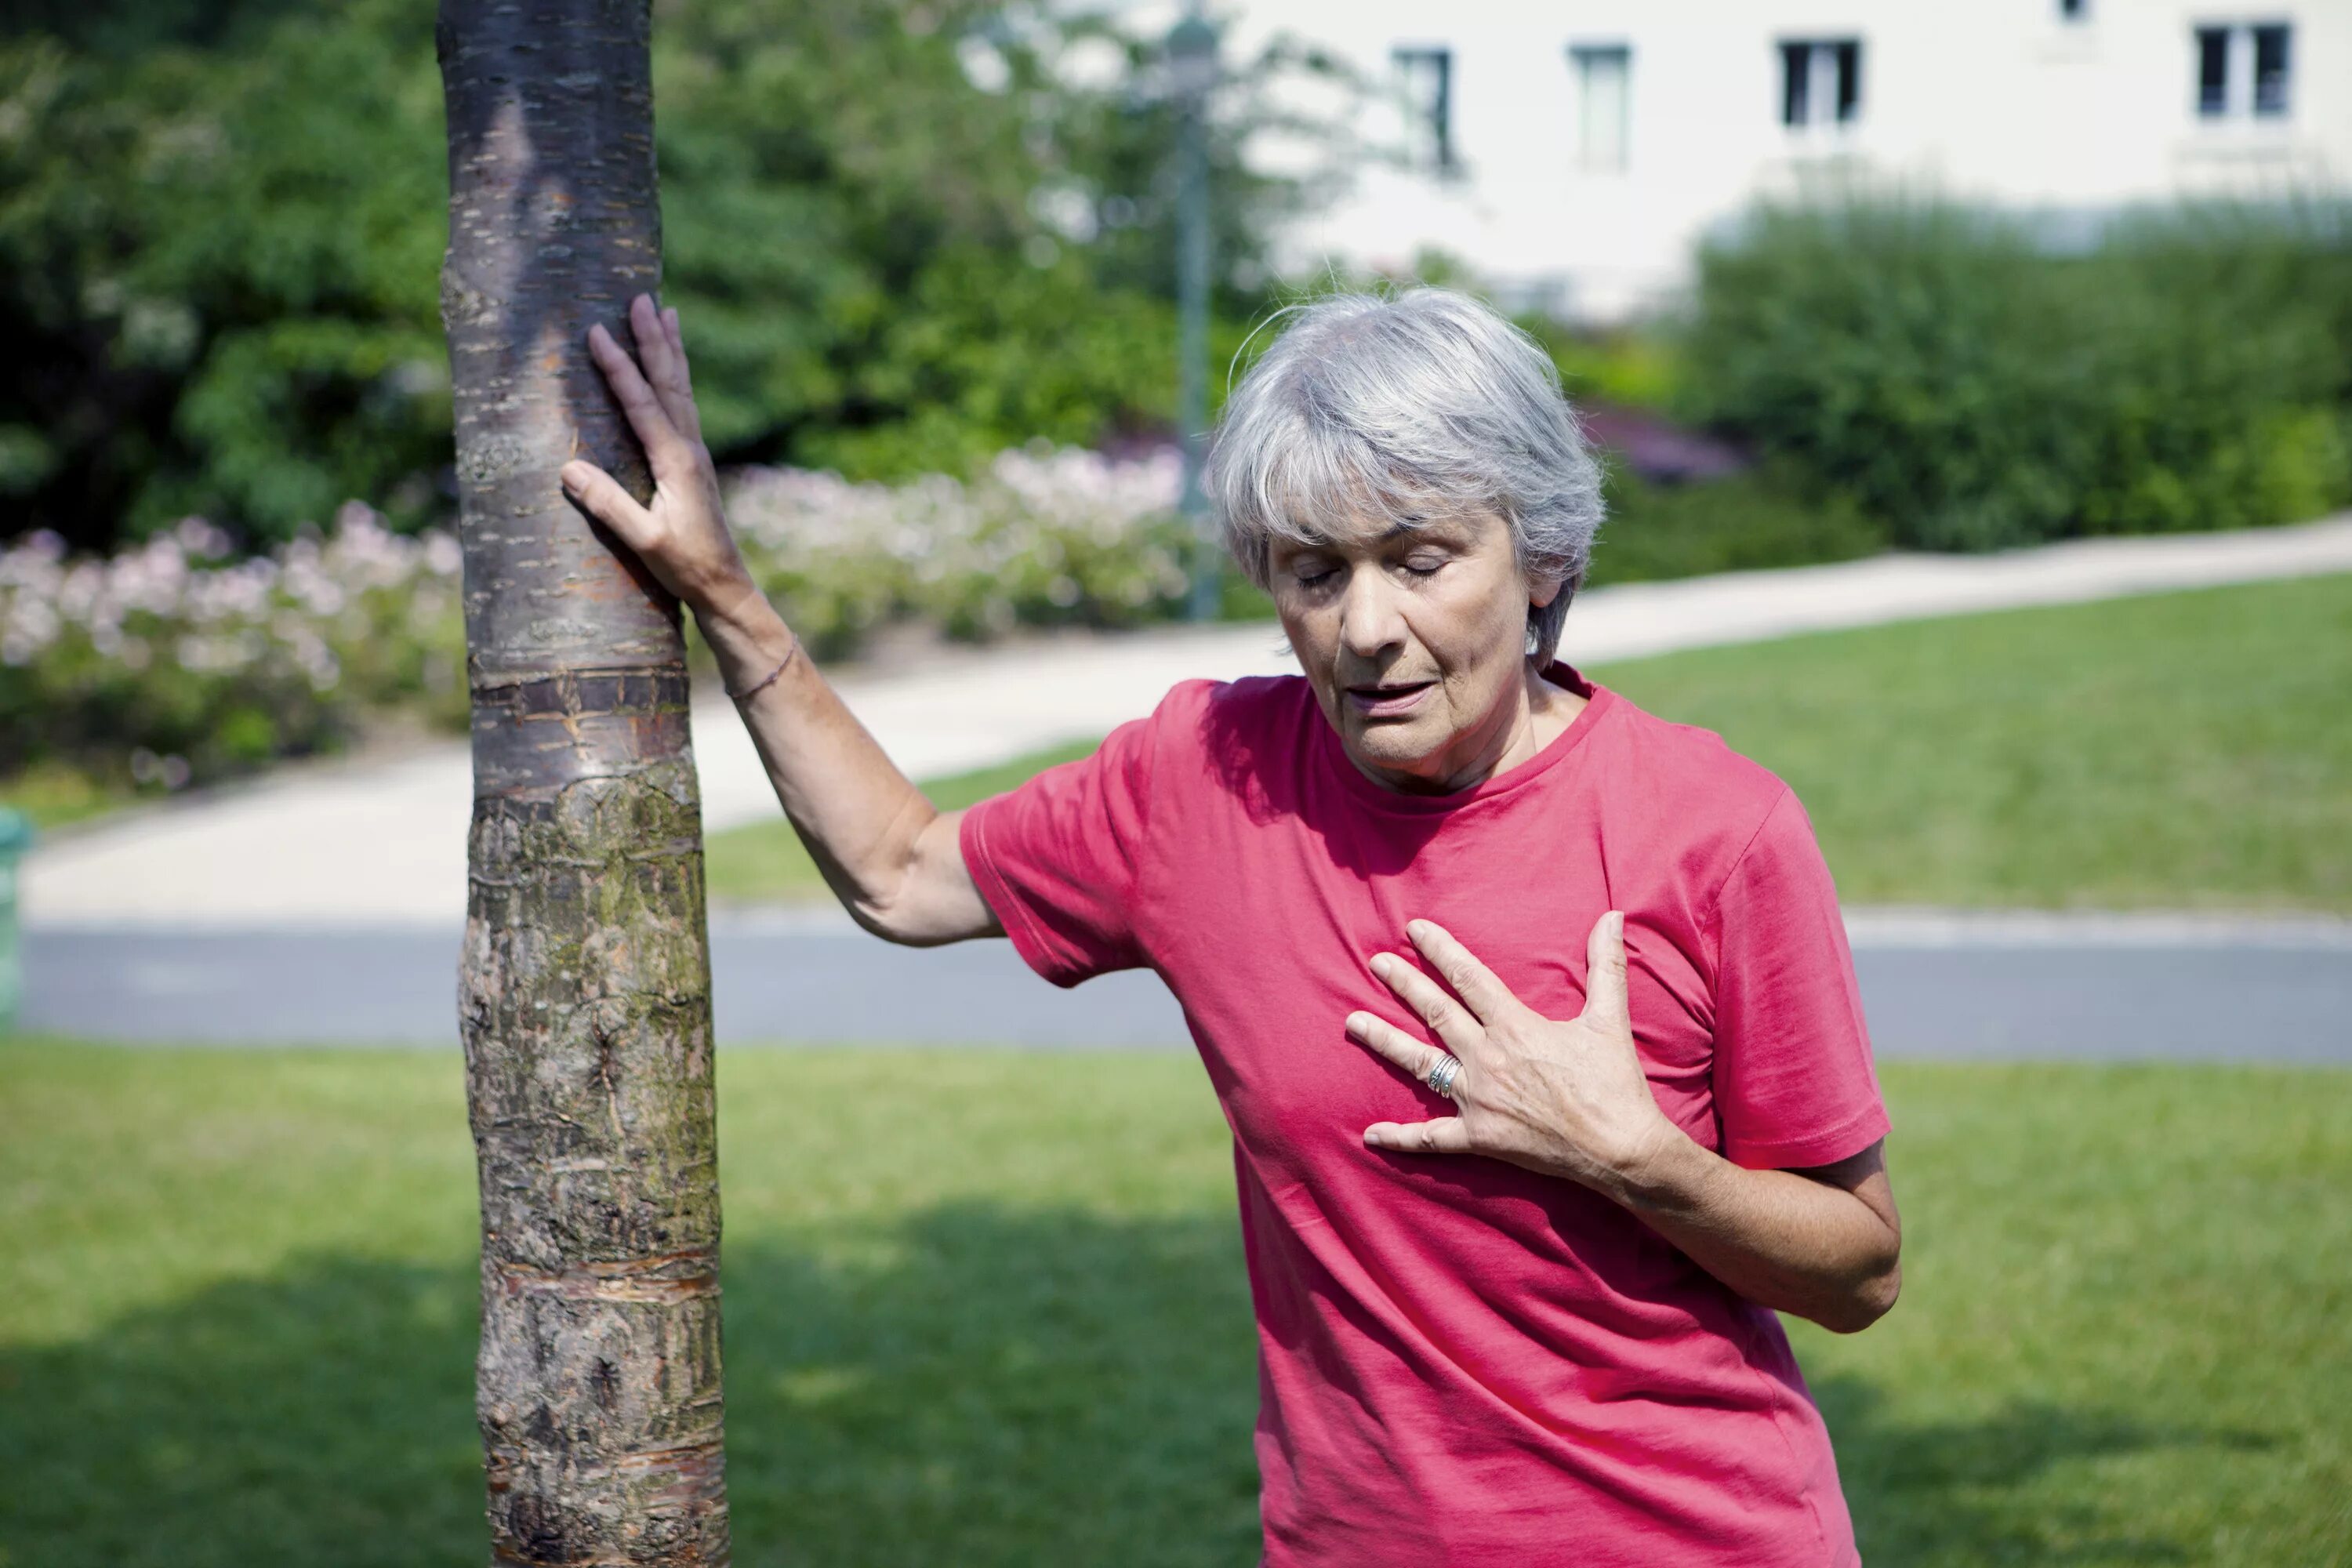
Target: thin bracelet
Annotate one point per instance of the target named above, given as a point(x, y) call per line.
point(768, 679)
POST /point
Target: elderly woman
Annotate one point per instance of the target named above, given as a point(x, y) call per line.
point(1518, 1204)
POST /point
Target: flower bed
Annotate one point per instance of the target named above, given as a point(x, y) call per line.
point(1041, 538)
point(176, 660)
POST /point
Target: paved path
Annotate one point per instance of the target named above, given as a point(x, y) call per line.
point(1934, 985)
point(369, 848)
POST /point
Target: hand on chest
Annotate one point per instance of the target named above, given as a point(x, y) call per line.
point(1271, 1001)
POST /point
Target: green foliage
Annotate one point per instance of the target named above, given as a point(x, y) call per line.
point(221, 229)
point(1976, 388)
point(1634, 368)
point(1747, 522)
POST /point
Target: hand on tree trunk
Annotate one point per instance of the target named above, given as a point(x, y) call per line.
point(682, 537)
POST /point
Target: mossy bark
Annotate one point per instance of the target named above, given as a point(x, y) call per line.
point(585, 991)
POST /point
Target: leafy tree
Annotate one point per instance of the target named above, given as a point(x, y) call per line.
point(902, 236)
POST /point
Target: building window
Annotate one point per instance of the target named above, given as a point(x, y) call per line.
point(2212, 72)
point(1427, 78)
point(2271, 59)
point(1821, 81)
point(2243, 69)
point(1604, 103)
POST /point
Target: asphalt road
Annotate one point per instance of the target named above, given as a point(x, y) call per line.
point(1973, 990)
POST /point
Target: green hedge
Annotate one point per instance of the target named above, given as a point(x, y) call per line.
point(1976, 387)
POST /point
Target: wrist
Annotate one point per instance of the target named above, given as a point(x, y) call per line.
point(736, 612)
point(1659, 1168)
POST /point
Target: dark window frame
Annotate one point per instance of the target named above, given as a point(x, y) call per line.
point(1798, 111)
point(2213, 50)
point(2268, 80)
point(2273, 47)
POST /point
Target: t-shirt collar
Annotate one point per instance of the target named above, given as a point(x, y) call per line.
point(1599, 701)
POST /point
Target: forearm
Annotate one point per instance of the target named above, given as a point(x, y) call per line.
point(881, 845)
point(1825, 1245)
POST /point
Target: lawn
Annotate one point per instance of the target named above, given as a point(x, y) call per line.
point(2179, 751)
point(981, 1312)
point(765, 861)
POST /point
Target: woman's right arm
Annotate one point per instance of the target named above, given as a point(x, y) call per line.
point(891, 857)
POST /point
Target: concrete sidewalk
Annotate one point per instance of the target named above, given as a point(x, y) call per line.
point(370, 846)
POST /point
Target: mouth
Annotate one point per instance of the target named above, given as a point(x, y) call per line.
point(1388, 700)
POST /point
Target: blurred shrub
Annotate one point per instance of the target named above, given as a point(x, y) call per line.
point(172, 662)
point(1041, 538)
point(1749, 522)
point(902, 237)
point(1978, 389)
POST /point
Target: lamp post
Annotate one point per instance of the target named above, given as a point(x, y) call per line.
point(1192, 70)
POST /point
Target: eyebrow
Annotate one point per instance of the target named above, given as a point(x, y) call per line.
point(1316, 540)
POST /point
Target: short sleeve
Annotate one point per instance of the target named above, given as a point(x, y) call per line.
point(1060, 859)
point(1793, 1082)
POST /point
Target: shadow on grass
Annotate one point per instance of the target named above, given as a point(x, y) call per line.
point(1951, 1492)
point(979, 1385)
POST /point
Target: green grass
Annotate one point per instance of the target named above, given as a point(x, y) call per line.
point(765, 862)
point(980, 1313)
point(2179, 751)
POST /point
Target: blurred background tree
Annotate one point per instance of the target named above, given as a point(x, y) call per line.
point(904, 237)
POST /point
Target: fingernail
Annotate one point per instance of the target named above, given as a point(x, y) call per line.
point(571, 475)
point(1372, 1139)
point(1380, 962)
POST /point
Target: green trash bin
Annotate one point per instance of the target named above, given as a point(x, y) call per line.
point(15, 837)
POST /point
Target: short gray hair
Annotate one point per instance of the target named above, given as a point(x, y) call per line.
point(1427, 403)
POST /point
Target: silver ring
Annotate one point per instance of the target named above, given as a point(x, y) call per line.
point(1440, 1077)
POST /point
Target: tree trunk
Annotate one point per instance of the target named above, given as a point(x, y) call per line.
point(584, 992)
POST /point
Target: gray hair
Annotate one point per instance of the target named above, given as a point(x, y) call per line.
point(1427, 404)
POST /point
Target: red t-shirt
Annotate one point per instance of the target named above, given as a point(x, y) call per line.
point(1460, 1360)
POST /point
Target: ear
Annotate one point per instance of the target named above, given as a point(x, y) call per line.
point(1542, 591)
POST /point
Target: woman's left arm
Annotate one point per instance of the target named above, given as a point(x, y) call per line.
point(1569, 1098)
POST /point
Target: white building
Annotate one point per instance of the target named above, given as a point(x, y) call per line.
point(1571, 153)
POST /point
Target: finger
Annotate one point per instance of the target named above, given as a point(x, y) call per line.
point(1450, 1020)
point(1604, 979)
point(1442, 1135)
point(1472, 981)
point(1385, 1040)
point(663, 367)
point(608, 503)
point(655, 433)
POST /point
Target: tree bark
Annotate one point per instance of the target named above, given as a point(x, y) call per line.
point(585, 988)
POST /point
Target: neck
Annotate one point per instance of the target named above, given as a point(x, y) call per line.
point(1532, 714)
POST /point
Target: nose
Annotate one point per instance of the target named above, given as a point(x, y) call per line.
point(1371, 618)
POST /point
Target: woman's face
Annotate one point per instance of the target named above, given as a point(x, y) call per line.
point(1415, 640)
